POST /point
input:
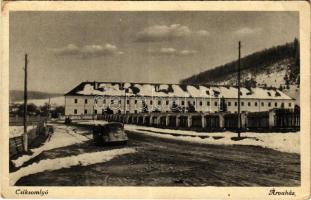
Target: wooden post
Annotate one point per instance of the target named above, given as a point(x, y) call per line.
point(25, 136)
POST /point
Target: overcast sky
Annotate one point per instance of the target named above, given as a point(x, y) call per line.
point(66, 48)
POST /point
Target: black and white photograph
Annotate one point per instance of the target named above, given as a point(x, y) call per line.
point(155, 98)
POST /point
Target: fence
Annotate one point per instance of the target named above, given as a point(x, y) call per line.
point(258, 120)
point(276, 119)
point(287, 118)
point(16, 143)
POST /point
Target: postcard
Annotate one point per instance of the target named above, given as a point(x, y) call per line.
point(153, 100)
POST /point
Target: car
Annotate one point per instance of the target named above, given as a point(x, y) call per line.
point(111, 133)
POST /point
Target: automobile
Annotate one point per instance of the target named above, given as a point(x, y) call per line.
point(111, 133)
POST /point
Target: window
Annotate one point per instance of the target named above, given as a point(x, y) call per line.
point(167, 102)
point(150, 102)
point(275, 104)
point(119, 101)
point(135, 101)
point(85, 101)
point(289, 104)
point(159, 102)
point(282, 105)
point(76, 100)
point(256, 104)
point(75, 111)
point(207, 103)
point(262, 104)
point(269, 104)
point(104, 101)
point(194, 103)
point(182, 102)
point(85, 111)
point(229, 103)
point(201, 103)
point(112, 101)
point(216, 103)
point(127, 101)
point(242, 103)
point(249, 103)
point(135, 111)
point(95, 111)
point(95, 101)
point(235, 103)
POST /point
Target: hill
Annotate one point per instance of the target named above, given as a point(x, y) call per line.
point(18, 95)
point(276, 67)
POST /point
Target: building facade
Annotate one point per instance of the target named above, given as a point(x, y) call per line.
point(90, 98)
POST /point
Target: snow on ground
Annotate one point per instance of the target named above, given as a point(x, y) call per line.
point(284, 142)
point(62, 136)
point(67, 162)
point(91, 122)
point(16, 131)
point(55, 101)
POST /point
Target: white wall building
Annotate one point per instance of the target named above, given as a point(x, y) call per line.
point(95, 97)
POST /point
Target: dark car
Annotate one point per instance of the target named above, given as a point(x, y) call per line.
point(111, 133)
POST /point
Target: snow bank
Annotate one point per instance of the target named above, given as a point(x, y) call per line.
point(284, 142)
point(67, 162)
point(16, 131)
point(62, 136)
point(90, 122)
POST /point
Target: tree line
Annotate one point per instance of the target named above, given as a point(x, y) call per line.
point(255, 62)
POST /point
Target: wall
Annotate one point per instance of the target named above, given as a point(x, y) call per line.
point(96, 105)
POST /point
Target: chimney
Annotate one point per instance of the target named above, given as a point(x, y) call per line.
point(96, 85)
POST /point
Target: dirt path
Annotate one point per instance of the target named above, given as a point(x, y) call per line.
point(163, 162)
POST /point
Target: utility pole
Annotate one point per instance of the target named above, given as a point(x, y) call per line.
point(125, 91)
point(239, 77)
point(25, 136)
point(49, 108)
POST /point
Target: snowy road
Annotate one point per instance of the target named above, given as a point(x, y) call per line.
point(154, 161)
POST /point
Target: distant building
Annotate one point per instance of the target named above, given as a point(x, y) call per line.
point(98, 97)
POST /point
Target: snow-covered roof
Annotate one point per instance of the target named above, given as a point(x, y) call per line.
point(173, 90)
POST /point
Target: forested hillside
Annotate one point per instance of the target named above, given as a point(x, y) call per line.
point(276, 67)
point(18, 95)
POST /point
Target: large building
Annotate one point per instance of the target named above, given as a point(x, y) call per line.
point(90, 98)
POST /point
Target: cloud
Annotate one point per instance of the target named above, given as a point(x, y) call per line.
point(245, 31)
point(87, 51)
point(201, 33)
point(70, 49)
point(171, 52)
point(166, 33)
point(187, 52)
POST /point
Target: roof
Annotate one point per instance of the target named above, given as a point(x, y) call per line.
point(172, 90)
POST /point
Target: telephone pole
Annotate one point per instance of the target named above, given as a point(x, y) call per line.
point(239, 77)
point(25, 136)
